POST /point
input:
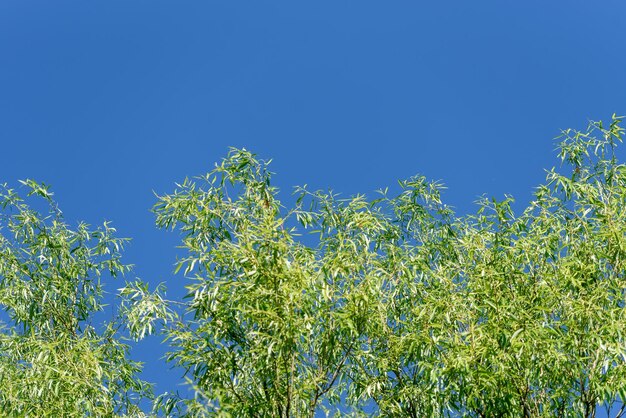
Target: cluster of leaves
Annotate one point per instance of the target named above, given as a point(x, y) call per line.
point(394, 306)
point(397, 305)
point(53, 361)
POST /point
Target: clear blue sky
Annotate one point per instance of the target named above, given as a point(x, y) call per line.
point(109, 101)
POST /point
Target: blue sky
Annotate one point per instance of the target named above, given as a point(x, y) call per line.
point(110, 101)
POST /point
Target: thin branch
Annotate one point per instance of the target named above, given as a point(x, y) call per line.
point(320, 393)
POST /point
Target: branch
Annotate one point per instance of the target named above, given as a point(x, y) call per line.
point(320, 393)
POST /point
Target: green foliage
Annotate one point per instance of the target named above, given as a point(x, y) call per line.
point(399, 302)
point(337, 306)
point(268, 334)
point(53, 361)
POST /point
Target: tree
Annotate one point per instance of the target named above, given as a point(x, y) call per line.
point(394, 306)
point(398, 302)
point(53, 360)
point(268, 334)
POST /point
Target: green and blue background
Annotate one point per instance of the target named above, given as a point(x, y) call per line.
point(113, 101)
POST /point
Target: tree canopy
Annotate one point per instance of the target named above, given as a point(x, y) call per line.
point(53, 360)
point(395, 306)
